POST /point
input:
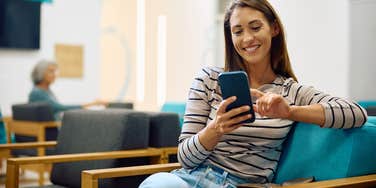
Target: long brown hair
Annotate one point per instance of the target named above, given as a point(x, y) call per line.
point(280, 61)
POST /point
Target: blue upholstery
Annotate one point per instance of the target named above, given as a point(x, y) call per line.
point(366, 104)
point(372, 119)
point(3, 138)
point(177, 107)
point(327, 153)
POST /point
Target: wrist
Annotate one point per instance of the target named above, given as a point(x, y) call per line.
point(292, 112)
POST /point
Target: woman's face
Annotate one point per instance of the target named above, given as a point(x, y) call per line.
point(50, 74)
point(252, 34)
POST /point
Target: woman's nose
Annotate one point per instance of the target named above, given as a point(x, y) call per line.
point(248, 37)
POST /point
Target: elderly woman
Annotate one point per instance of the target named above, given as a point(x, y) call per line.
point(43, 75)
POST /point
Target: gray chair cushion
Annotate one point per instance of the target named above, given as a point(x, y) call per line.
point(371, 111)
point(126, 105)
point(39, 112)
point(164, 129)
point(95, 131)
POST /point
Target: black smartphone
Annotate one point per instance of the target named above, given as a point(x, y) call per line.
point(235, 83)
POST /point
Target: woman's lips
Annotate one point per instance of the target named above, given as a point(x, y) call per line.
point(251, 49)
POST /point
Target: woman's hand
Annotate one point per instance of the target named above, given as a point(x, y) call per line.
point(226, 122)
point(271, 105)
point(223, 123)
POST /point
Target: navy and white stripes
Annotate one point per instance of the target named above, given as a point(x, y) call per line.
point(252, 151)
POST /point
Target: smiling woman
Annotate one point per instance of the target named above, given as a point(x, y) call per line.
point(216, 149)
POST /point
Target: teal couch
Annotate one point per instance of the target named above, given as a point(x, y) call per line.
point(328, 153)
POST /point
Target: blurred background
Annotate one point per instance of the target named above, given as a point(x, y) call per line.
point(148, 51)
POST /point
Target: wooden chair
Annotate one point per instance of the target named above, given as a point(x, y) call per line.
point(90, 137)
point(28, 128)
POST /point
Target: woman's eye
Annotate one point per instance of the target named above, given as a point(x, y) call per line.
point(237, 32)
point(256, 28)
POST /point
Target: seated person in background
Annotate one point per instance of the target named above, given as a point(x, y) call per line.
point(215, 148)
point(43, 75)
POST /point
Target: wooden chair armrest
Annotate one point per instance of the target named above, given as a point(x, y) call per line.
point(352, 182)
point(27, 145)
point(13, 164)
point(89, 178)
point(45, 124)
point(85, 156)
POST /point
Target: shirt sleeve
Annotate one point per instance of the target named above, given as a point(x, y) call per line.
point(41, 96)
point(339, 113)
point(191, 152)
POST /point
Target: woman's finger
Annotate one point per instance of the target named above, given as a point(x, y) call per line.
point(223, 105)
point(239, 119)
point(236, 111)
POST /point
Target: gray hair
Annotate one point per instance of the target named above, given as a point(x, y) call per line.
point(39, 70)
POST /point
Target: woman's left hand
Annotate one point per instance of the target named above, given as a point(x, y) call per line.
point(270, 105)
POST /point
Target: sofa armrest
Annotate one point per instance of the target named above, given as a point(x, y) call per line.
point(352, 182)
point(90, 177)
point(13, 164)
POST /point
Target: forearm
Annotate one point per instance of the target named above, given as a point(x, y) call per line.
point(310, 114)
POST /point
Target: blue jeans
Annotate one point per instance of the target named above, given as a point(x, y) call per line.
point(200, 177)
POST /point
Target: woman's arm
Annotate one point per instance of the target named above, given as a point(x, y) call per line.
point(311, 106)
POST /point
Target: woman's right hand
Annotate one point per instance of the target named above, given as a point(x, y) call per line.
point(224, 122)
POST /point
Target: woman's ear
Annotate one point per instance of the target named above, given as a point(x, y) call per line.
point(275, 29)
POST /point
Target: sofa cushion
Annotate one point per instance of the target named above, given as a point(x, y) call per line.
point(164, 129)
point(39, 112)
point(36, 111)
point(175, 107)
point(371, 110)
point(126, 105)
point(85, 131)
point(327, 153)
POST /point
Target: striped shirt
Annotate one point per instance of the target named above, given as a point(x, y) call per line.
point(253, 150)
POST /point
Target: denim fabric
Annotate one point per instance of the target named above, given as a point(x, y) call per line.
point(200, 177)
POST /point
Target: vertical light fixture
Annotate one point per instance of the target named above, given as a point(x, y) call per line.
point(140, 87)
point(161, 63)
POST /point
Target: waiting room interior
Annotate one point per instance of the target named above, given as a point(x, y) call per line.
point(146, 53)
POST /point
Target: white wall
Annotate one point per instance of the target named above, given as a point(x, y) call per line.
point(318, 42)
point(362, 47)
point(64, 21)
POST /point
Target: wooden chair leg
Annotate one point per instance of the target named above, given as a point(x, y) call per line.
point(41, 175)
point(12, 176)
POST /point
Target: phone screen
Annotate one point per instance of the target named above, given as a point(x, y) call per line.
point(236, 84)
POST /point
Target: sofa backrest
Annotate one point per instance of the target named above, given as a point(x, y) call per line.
point(86, 131)
point(126, 105)
point(36, 112)
point(164, 129)
point(175, 107)
point(327, 153)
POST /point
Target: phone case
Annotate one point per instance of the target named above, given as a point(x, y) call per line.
point(236, 84)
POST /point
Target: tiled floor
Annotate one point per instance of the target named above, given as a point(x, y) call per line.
point(27, 179)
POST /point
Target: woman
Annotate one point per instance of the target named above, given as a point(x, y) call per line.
point(43, 75)
point(215, 149)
